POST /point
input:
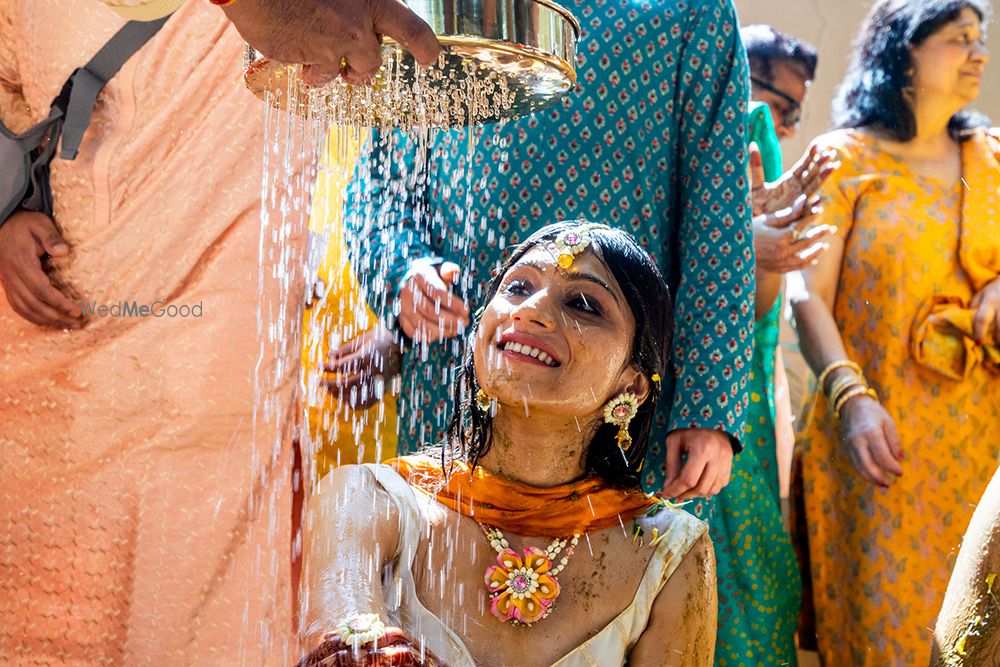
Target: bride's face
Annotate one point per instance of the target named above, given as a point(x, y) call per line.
point(556, 340)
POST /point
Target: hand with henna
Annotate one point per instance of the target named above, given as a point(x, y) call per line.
point(393, 649)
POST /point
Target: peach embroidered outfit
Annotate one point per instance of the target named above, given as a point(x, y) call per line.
point(126, 532)
point(878, 561)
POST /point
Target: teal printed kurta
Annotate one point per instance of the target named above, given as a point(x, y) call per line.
point(652, 140)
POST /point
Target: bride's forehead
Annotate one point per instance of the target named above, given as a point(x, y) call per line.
point(545, 257)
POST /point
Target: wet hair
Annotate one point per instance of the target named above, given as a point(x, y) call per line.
point(873, 94)
point(648, 298)
point(766, 46)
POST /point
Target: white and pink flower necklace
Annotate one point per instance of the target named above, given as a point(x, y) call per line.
point(523, 587)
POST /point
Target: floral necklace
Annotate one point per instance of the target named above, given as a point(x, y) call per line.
point(523, 588)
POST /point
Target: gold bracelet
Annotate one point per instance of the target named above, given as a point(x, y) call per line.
point(840, 363)
point(849, 394)
point(835, 399)
point(842, 383)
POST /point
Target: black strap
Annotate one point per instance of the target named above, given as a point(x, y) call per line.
point(86, 82)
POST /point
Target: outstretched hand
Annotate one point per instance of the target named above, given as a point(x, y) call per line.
point(804, 178)
point(706, 471)
point(785, 238)
point(429, 311)
point(332, 37)
point(363, 366)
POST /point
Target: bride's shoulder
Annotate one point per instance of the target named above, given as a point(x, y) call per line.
point(669, 521)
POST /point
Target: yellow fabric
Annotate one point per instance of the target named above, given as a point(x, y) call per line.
point(943, 339)
point(337, 434)
point(979, 252)
point(148, 10)
point(880, 559)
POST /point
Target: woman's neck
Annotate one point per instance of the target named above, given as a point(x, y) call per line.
point(932, 138)
point(535, 449)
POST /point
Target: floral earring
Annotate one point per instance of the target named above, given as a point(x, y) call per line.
point(620, 411)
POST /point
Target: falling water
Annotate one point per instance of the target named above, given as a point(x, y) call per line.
point(312, 137)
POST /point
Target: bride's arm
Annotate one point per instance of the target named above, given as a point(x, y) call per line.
point(682, 624)
point(351, 531)
point(966, 632)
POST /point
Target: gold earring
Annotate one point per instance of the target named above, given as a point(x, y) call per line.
point(483, 401)
point(620, 411)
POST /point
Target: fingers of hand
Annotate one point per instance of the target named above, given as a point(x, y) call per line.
point(433, 313)
point(433, 301)
point(695, 479)
point(408, 324)
point(892, 439)
point(320, 75)
point(984, 323)
point(802, 236)
point(883, 456)
point(722, 478)
point(358, 390)
point(24, 272)
point(47, 237)
point(675, 451)
point(702, 486)
point(819, 167)
point(865, 463)
point(35, 310)
point(397, 21)
point(449, 272)
point(362, 60)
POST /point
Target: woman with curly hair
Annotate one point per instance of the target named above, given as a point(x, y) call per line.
point(900, 325)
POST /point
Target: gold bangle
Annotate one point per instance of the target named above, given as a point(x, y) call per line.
point(835, 397)
point(849, 394)
point(840, 363)
point(842, 383)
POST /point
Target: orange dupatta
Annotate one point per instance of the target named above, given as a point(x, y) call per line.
point(568, 509)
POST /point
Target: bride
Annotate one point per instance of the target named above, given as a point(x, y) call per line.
point(526, 540)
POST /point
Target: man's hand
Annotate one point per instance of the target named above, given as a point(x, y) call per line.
point(363, 366)
point(25, 239)
point(429, 311)
point(332, 37)
point(706, 471)
point(986, 323)
point(785, 240)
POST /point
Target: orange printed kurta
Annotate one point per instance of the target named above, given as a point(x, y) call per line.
point(127, 532)
point(880, 559)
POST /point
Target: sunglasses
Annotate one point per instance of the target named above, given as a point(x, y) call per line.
point(791, 116)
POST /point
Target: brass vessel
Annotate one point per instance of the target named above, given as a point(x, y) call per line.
point(501, 59)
